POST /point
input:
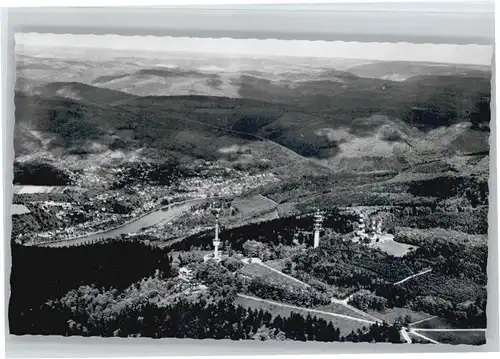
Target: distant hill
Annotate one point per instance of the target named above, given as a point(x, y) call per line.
point(201, 125)
point(401, 70)
point(353, 118)
point(78, 91)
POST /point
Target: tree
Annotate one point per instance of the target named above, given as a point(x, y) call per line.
point(278, 322)
point(232, 264)
point(481, 114)
point(287, 269)
point(365, 300)
point(254, 249)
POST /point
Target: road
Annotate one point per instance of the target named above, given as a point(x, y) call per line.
point(413, 276)
point(423, 320)
point(354, 309)
point(424, 337)
point(405, 336)
point(405, 331)
point(334, 300)
point(449, 330)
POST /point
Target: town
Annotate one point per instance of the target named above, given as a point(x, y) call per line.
point(94, 211)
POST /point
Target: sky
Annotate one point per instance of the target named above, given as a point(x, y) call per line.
point(402, 51)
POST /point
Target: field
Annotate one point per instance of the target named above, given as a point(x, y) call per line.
point(19, 209)
point(253, 205)
point(342, 309)
point(391, 314)
point(457, 338)
point(269, 216)
point(277, 264)
point(393, 248)
point(253, 209)
point(257, 270)
point(345, 325)
point(39, 189)
point(434, 323)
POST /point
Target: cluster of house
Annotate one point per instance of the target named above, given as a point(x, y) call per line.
point(151, 197)
point(222, 186)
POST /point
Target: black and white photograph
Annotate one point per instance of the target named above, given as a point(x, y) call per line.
point(250, 189)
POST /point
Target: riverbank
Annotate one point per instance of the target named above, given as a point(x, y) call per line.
point(109, 232)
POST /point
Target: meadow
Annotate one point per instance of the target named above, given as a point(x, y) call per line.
point(345, 325)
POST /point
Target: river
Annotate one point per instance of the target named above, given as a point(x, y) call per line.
point(162, 215)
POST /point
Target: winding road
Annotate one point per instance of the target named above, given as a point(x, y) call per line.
point(342, 302)
point(404, 332)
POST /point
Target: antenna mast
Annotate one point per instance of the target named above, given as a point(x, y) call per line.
point(318, 226)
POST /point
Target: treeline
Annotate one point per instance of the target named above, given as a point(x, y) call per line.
point(287, 294)
point(427, 237)
point(203, 320)
point(141, 309)
point(40, 174)
point(275, 232)
point(459, 274)
point(481, 115)
point(39, 274)
point(366, 300)
point(456, 287)
point(471, 221)
point(458, 260)
point(72, 121)
point(352, 265)
point(468, 314)
point(223, 283)
point(443, 187)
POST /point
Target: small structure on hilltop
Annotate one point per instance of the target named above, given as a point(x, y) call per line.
point(318, 226)
point(185, 274)
point(368, 233)
point(361, 232)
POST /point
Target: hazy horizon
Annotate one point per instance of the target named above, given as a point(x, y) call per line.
point(151, 45)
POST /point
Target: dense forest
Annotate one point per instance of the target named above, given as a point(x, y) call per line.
point(352, 266)
point(273, 233)
point(443, 187)
point(40, 274)
point(40, 174)
point(89, 290)
point(456, 288)
point(202, 320)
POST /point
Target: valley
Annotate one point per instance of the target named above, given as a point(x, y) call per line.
point(123, 175)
